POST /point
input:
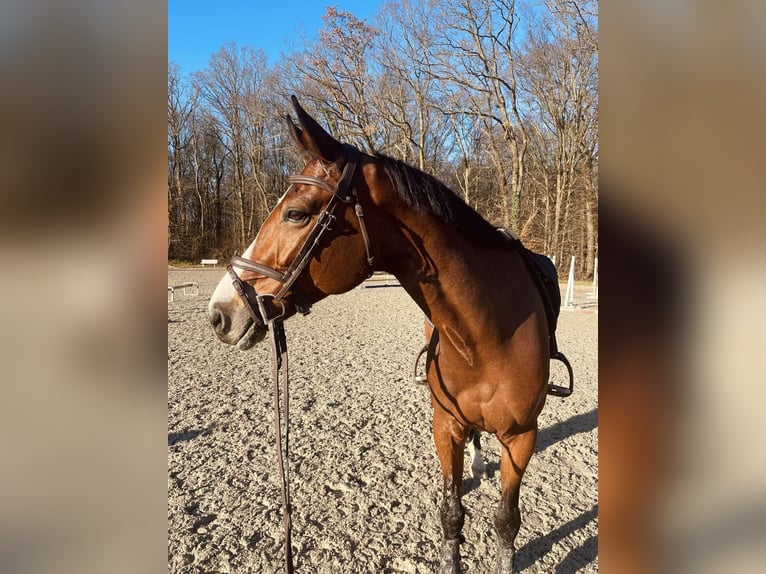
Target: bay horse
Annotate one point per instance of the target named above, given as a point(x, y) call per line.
point(348, 214)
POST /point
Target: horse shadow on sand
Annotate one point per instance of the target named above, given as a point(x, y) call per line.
point(584, 422)
point(575, 560)
point(177, 437)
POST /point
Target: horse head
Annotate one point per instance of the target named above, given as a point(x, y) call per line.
point(313, 244)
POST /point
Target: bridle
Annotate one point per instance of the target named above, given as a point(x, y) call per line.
point(342, 194)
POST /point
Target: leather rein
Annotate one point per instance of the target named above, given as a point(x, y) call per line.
point(342, 194)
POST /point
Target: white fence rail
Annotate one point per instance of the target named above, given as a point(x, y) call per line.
point(184, 286)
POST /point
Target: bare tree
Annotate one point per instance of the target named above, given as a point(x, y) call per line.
point(209, 161)
point(232, 85)
point(181, 107)
point(559, 73)
point(478, 67)
point(408, 100)
point(495, 97)
point(334, 75)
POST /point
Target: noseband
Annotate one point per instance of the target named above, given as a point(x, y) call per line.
point(342, 194)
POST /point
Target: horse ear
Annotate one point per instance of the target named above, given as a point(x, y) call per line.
point(297, 134)
point(313, 139)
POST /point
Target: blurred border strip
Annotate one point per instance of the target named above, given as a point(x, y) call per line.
point(83, 242)
point(682, 141)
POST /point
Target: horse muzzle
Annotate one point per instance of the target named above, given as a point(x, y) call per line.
point(235, 325)
point(235, 314)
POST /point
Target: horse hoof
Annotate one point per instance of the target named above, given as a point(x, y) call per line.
point(450, 560)
point(480, 473)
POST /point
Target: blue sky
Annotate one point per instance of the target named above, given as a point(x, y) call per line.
point(198, 28)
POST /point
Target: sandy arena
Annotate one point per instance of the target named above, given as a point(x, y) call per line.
point(365, 477)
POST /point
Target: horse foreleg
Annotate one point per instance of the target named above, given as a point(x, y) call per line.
point(516, 452)
point(449, 437)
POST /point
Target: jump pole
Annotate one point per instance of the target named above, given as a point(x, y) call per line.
point(569, 295)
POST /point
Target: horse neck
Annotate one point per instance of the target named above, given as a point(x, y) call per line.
point(458, 283)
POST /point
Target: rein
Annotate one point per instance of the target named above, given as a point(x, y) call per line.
point(342, 194)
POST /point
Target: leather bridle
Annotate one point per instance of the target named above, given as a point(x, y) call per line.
point(342, 194)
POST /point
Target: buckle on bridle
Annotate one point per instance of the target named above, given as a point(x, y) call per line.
point(262, 307)
point(325, 220)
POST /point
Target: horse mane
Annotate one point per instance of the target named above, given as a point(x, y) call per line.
point(426, 193)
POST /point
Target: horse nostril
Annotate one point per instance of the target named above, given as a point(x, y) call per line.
point(217, 320)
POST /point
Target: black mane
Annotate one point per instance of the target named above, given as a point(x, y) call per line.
point(426, 193)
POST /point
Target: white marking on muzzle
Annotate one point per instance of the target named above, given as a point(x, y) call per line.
point(224, 292)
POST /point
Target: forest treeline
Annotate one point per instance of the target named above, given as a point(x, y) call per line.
point(497, 98)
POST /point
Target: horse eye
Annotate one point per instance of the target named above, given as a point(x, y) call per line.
point(296, 216)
